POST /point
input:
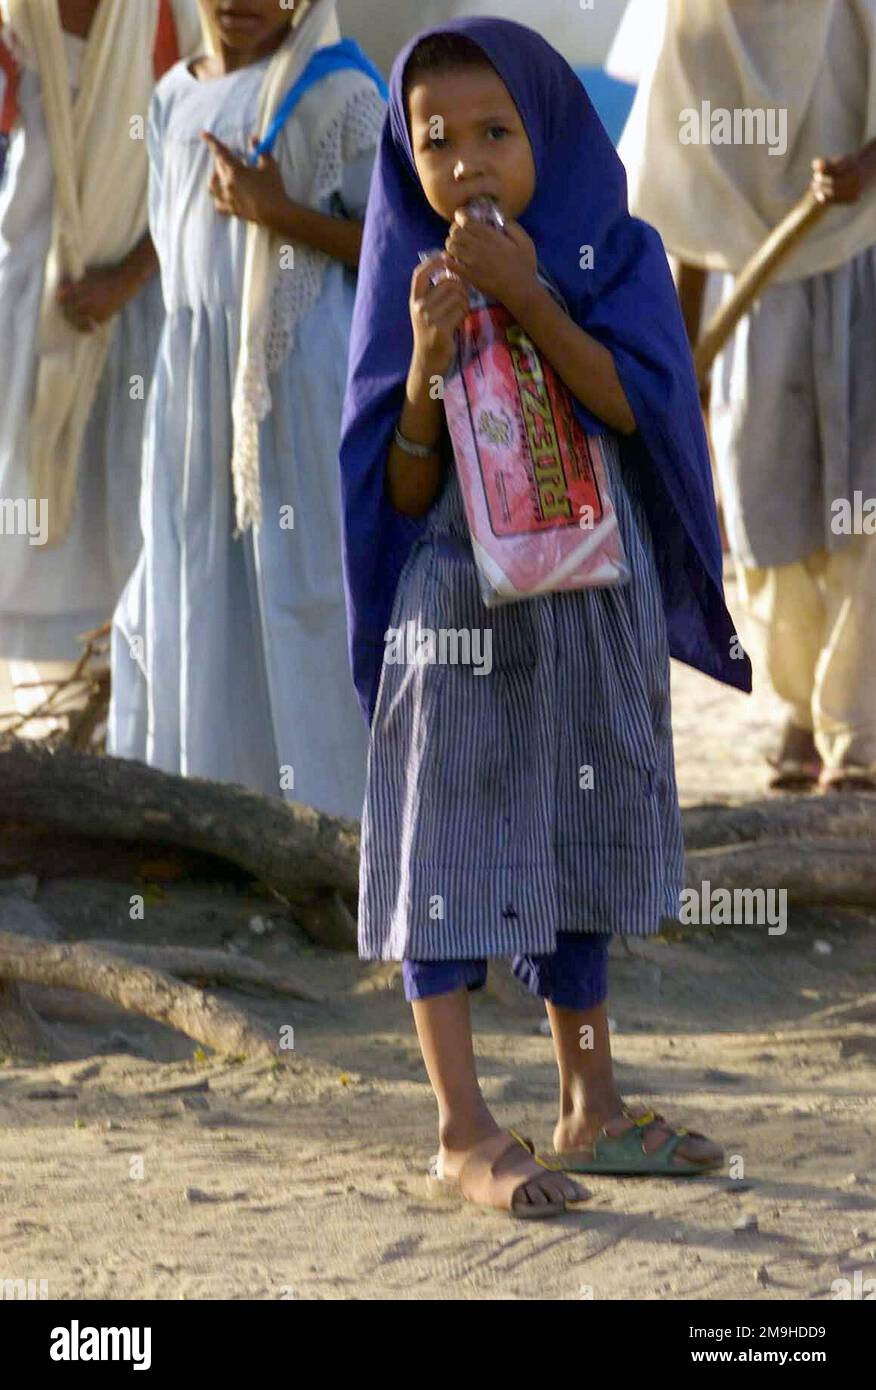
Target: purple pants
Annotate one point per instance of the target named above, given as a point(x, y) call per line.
point(574, 977)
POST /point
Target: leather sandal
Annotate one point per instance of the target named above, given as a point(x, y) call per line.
point(495, 1174)
point(850, 777)
point(796, 764)
point(624, 1155)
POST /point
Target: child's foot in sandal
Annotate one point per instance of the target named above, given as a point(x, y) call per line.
point(634, 1140)
point(503, 1172)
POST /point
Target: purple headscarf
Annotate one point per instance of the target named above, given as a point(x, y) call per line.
point(628, 302)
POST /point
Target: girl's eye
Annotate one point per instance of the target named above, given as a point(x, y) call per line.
point(497, 132)
point(437, 143)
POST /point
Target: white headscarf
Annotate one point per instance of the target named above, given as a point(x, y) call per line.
point(100, 169)
point(715, 204)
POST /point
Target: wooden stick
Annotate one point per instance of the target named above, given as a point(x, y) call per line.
point(755, 275)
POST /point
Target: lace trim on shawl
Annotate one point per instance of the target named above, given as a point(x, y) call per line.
point(354, 130)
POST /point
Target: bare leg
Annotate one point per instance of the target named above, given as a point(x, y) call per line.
point(443, 1025)
point(589, 1097)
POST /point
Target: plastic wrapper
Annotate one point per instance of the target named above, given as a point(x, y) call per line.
point(534, 483)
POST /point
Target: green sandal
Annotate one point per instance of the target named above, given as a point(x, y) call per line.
point(624, 1155)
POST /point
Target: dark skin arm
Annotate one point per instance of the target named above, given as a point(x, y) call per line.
point(846, 179)
point(256, 193)
point(437, 311)
point(503, 266)
point(692, 283)
point(691, 293)
point(583, 363)
point(104, 291)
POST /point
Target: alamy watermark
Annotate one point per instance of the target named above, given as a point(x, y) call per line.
point(857, 1289)
point(24, 1290)
point(721, 907)
point(413, 645)
point(853, 516)
point(742, 126)
point(77, 1343)
point(25, 516)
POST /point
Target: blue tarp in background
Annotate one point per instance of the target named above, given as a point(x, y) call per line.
point(612, 99)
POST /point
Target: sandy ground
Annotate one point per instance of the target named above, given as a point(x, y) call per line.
point(114, 1183)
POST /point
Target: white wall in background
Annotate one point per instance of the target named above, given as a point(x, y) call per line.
point(581, 33)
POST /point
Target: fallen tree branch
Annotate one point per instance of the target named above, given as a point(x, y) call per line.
point(211, 1021)
point(305, 856)
point(54, 1004)
point(21, 1032)
point(820, 875)
point(219, 968)
point(76, 705)
point(847, 816)
point(819, 849)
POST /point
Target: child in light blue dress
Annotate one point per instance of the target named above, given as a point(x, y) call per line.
point(229, 653)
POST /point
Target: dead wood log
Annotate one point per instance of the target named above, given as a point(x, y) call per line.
point(823, 875)
point(820, 849)
point(55, 1005)
point(847, 817)
point(305, 856)
point(211, 1021)
point(217, 967)
point(21, 1033)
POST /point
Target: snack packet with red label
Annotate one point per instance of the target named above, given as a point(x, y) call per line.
point(534, 483)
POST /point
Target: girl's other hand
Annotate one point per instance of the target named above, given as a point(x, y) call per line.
point(436, 313)
point(255, 193)
point(837, 180)
point(101, 294)
point(503, 265)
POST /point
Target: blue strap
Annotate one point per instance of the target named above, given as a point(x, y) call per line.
point(337, 57)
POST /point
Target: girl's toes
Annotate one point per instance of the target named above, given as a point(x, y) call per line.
point(574, 1192)
point(696, 1149)
point(534, 1195)
point(550, 1192)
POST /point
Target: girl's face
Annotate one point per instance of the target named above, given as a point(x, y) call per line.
point(469, 141)
point(249, 24)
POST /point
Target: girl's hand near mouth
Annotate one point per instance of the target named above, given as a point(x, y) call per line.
point(503, 265)
point(437, 311)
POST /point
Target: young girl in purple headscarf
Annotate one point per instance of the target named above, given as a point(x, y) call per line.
point(522, 805)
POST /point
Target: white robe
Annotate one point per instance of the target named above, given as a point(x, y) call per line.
point(48, 595)
point(230, 654)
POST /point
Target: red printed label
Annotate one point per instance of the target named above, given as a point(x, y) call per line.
point(534, 458)
point(533, 481)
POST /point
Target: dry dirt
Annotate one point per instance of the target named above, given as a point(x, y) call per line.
point(308, 1184)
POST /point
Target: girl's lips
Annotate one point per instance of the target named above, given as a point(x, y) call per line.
point(237, 19)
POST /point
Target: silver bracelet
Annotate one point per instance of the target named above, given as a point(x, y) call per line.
point(417, 451)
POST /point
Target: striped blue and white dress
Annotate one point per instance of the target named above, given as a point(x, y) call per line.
point(539, 798)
